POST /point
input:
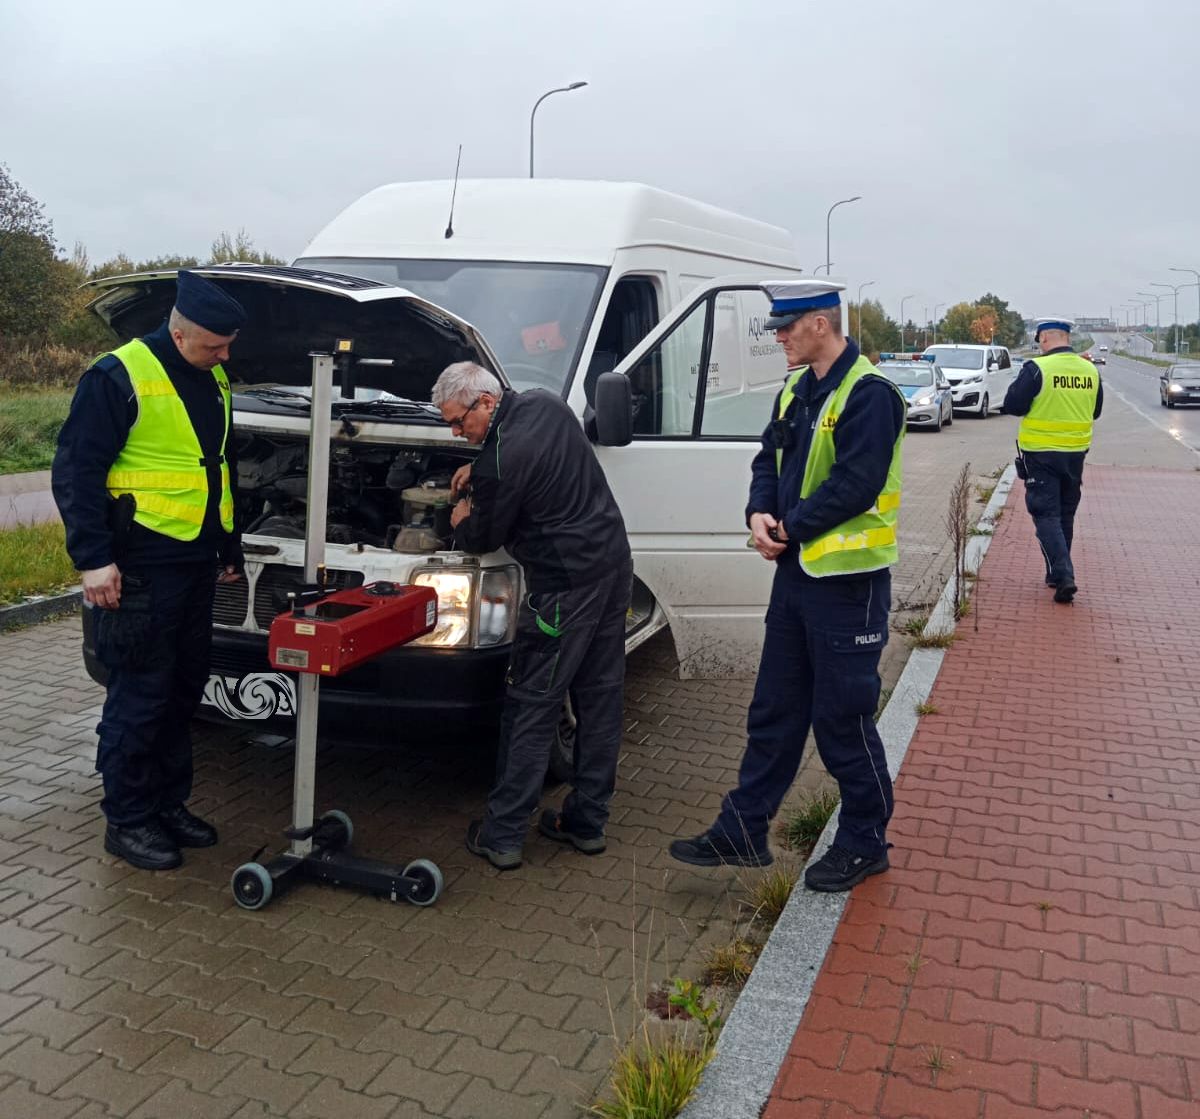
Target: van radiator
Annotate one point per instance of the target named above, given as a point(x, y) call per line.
point(270, 589)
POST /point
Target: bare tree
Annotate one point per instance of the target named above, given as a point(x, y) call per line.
point(959, 527)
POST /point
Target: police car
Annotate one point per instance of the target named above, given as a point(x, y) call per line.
point(924, 385)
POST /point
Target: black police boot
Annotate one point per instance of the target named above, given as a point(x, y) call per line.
point(715, 850)
point(1065, 591)
point(146, 846)
point(187, 830)
point(839, 869)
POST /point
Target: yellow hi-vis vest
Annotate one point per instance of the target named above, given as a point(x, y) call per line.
point(1060, 418)
point(161, 462)
point(864, 543)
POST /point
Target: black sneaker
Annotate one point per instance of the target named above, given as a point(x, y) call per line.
point(554, 827)
point(839, 869)
point(716, 850)
point(187, 829)
point(146, 846)
point(1065, 591)
point(501, 860)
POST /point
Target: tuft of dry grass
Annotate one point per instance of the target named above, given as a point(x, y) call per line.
point(654, 1080)
point(730, 965)
point(770, 891)
point(935, 640)
point(927, 709)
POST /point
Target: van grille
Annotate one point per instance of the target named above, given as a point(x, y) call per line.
point(271, 589)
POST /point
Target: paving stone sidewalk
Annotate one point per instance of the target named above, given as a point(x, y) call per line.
point(1035, 949)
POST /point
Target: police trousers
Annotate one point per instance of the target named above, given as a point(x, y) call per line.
point(568, 644)
point(819, 670)
point(1053, 483)
point(156, 647)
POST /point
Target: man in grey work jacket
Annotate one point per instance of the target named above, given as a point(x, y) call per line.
point(824, 503)
point(537, 489)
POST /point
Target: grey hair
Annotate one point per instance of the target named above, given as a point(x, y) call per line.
point(832, 315)
point(462, 383)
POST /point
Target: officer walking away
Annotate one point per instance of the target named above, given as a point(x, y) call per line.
point(1057, 396)
point(144, 482)
point(824, 501)
point(537, 489)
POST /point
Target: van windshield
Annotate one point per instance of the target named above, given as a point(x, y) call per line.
point(534, 316)
point(949, 357)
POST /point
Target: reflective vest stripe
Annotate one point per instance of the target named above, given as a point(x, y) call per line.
point(157, 479)
point(167, 507)
point(856, 541)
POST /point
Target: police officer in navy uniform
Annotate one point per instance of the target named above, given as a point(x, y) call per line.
point(1058, 395)
point(824, 501)
point(144, 480)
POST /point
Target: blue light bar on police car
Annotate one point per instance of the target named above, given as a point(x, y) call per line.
point(908, 357)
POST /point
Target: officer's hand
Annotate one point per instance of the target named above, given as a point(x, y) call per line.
point(102, 586)
point(461, 479)
point(760, 526)
point(230, 575)
point(460, 512)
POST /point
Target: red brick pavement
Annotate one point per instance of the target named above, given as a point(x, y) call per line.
point(1035, 949)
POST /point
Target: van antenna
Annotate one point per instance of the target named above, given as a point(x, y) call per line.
point(453, 195)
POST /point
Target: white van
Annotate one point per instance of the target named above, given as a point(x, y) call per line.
point(979, 375)
point(550, 284)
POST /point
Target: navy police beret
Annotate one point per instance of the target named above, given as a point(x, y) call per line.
point(206, 305)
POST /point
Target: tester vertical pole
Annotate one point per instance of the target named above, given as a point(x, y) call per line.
point(308, 687)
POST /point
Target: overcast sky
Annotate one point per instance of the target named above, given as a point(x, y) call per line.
point(1025, 148)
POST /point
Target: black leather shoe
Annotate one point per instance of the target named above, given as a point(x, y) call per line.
point(146, 846)
point(1065, 591)
point(716, 850)
point(839, 869)
point(187, 830)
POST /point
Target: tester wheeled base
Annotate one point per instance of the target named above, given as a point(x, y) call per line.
point(324, 634)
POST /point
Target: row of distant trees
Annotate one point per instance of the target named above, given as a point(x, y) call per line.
point(40, 300)
point(986, 319)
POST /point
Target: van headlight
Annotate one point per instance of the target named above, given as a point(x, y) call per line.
point(476, 609)
point(977, 379)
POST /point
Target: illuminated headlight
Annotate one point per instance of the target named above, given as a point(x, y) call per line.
point(923, 400)
point(455, 591)
point(1175, 388)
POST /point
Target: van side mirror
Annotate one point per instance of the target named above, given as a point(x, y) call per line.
point(614, 410)
point(993, 366)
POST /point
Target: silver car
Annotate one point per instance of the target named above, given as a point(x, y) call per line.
point(1179, 384)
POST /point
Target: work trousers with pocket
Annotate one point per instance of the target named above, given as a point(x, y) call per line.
point(1053, 485)
point(156, 647)
point(568, 643)
point(819, 670)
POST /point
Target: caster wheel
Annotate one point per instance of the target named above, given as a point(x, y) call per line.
point(252, 886)
point(430, 878)
point(337, 822)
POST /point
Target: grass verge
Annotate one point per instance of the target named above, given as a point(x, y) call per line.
point(29, 423)
point(33, 560)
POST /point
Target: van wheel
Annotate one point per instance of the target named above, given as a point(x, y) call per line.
point(985, 409)
point(562, 753)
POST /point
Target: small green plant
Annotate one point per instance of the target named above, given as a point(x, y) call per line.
point(982, 530)
point(927, 708)
point(730, 965)
point(688, 996)
point(1045, 906)
point(802, 827)
point(770, 892)
point(935, 1059)
point(935, 640)
point(913, 964)
point(914, 627)
point(983, 494)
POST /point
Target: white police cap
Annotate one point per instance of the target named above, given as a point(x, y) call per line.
point(1052, 323)
point(792, 298)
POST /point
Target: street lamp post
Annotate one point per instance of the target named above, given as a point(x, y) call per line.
point(1157, 315)
point(827, 217)
point(1197, 275)
point(533, 113)
point(935, 321)
point(864, 284)
point(902, 302)
point(1175, 321)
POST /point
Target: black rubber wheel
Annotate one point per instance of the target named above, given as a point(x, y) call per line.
point(430, 878)
point(562, 753)
point(252, 886)
point(985, 409)
point(336, 821)
point(949, 415)
point(1170, 404)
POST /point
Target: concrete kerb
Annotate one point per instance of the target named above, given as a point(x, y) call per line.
point(39, 609)
point(759, 1032)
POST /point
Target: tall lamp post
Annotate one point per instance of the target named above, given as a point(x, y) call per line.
point(827, 217)
point(533, 113)
point(1157, 314)
point(1197, 275)
point(902, 302)
point(864, 284)
point(1175, 321)
point(935, 321)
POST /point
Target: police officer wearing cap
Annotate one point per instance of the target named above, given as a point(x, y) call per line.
point(824, 502)
point(1057, 396)
point(144, 481)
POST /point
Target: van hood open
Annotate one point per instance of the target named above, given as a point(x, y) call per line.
point(292, 312)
